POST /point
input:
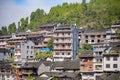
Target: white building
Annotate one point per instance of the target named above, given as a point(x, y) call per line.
point(7, 76)
point(24, 50)
point(111, 62)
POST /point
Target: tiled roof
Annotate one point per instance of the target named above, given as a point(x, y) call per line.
point(86, 54)
point(61, 74)
point(110, 76)
point(67, 65)
point(36, 64)
point(88, 30)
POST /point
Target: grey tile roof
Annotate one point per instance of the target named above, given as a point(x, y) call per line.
point(88, 30)
point(86, 54)
point(110, 76)
point(36, 64)
point(61, 74)
point(67, 65)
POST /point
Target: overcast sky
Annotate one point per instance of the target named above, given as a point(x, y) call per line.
point(14, 10)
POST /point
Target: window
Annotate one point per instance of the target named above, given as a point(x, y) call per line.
point(56, 39)
point(86, 41)
point(68, 33)
point(100, 60)
point(108, 58)
point(69, 45)
point(100, 53)
point(114, 58)
point(86, 36)
point(7, 76)
point(92, 36)
point(27, 47)
point(107, 65)
point(92, 40)
point(98, 40)
point(62, 53)
point(57, 34)
point(98, 67)
point(57, 53)
point(104, 36)
point(63, 45)
point(98, 36)
point(31, 56)
point(114, 65)
point(68, 53)
point(27, 57)
point(27, 52)
point(31, 52)
point(31, 47)
point(62, 33)
point(62, 39)
point(4, 54)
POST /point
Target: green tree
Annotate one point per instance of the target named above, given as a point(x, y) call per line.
point(11, 28)
point(43, 55)
point(30, 77)
point(23, 24)
point(118, 32)
point(96, 14)
point(87, 46)
point(50, 43)
point(4, 30)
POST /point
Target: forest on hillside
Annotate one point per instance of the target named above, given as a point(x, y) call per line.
point(96, 14)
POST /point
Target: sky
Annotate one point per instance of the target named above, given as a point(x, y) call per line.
point(13, 10)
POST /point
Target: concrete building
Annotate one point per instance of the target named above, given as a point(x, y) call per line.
point(14, 40)
point(48, 27)
point(24, 50)
point(65, 43)
point(111, 59)
point(40, 38)
point(4, 52)
point(114, 35)
point(98, 51)
point(6, 71)
point(111, 62)
point(26, 69)
point(92, 36)
point(86, 66)
point(80, 36)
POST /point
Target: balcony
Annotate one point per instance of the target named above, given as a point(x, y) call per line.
point(3, 43)
point(63, 41)
point(26, 72)
point(66, 56)
point(10, 46)
point(41, 45)
point(61, 36)
point(62, 48)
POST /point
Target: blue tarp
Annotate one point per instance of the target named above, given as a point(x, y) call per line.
point(45, 49)
point(94, 49)
point(12, 50)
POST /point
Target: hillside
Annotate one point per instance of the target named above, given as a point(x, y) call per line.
point(96, 14)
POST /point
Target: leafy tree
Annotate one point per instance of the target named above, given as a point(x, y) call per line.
point(118, 32)
point(95, 14)
point(54, 78)
point(11, 28)
point(43, 55)
point(23, 24)
point(30, 77)
point(50, 43)
point(87, 46)
point(4, 30)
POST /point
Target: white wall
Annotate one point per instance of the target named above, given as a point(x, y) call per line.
point(111, 62)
